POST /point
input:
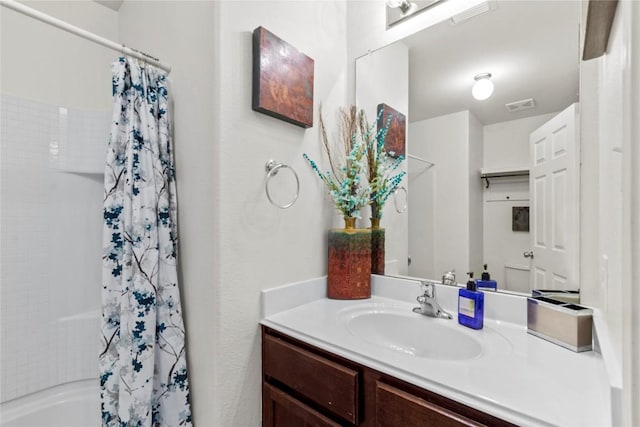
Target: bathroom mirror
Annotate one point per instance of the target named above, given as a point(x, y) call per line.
point(456, 219)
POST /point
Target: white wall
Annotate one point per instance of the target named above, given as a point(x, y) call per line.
point(609, 212)
point(631, 275)
point(603, 136)
point(56, 109)
point(381, 77)
point(476, 211)
point(506, 144)
point(444, 140)
point(43, 63)
point(260, 245)
point(184, 34)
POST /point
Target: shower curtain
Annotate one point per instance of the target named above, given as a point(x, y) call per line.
point(143, 369)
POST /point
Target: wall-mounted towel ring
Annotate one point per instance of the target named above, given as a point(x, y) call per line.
point(272, 167)
point(400, 207)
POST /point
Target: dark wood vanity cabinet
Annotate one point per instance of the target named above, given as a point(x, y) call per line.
point(305, 386)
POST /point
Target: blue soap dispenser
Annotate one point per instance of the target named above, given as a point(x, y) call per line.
point(486, 282)
point(471, 305)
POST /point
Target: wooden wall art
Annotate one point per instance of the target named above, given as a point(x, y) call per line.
point(396, 135)
point(282, 79)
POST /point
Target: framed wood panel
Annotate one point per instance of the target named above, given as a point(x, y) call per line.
point(394, 142)
point(282, 79)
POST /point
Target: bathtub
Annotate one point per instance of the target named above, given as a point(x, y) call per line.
point(75, 404)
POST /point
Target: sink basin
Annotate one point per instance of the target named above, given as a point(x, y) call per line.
point(412, 334)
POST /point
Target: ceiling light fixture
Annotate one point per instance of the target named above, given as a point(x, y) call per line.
point(483, 87)
point(406, 6)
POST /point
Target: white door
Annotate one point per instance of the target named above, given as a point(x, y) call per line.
point(554, 192)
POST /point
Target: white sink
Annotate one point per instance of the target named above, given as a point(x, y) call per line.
point(412, 334)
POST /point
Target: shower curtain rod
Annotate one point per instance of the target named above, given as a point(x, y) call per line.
point(411, 156)
point(25, 10)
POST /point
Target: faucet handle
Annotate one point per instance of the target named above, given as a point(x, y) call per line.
point(449, 278)
point(428, 288)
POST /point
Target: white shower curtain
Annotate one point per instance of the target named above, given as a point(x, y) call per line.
point(143, 369)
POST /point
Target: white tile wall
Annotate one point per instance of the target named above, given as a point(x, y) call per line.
point(52, 160)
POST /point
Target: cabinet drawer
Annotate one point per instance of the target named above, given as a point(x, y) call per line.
point(395, 407)
point(328, 384)
point(282, 410)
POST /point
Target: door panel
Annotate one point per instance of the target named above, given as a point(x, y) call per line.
point(559, 210)
point(554, 181)
point(538, 230)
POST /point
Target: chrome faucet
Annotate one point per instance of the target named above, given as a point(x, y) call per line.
point(429, 305)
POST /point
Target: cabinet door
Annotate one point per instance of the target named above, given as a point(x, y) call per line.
point(395, 407)
point(282, 410)
point(331, 385)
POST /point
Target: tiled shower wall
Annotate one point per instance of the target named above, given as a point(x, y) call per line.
point(52, 161)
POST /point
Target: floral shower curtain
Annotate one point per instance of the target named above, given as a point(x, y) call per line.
point(143, 369)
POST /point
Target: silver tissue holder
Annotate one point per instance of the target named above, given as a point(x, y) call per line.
point(566, 296)
point(565, 324)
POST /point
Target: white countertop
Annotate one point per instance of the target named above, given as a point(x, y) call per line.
point(517, 377)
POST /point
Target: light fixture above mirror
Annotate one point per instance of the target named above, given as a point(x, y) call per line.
point(399, 10)
point(405, 6)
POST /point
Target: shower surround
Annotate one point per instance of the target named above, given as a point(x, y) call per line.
point(51, 176)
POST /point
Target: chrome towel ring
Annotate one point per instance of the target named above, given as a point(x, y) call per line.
point(272, 167)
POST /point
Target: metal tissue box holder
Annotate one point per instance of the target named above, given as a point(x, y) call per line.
point(564, 324)
point(565, 296)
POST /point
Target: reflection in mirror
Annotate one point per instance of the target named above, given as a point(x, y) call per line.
point(521, 217)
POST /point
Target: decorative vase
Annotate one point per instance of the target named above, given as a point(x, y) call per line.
point(349, 275)
point(377, 247)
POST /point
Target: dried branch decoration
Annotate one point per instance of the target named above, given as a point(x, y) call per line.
point(343, 180)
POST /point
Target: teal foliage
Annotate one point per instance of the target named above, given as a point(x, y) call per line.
point(367, 160)
point(345, 180)
point(383, 180)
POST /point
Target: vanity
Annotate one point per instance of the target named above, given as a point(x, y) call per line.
point(375, 362)
point(304, 385)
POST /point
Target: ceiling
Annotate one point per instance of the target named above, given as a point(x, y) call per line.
point(531, 48)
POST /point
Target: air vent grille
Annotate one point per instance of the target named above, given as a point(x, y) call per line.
point(523, 104)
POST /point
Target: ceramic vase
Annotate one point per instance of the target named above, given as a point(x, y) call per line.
point(349, 270)
point(377, 247)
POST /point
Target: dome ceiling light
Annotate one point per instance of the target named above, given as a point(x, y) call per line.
point(483, 87)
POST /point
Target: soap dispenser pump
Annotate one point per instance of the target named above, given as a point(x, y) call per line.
point(486, 282)
point(471, 305)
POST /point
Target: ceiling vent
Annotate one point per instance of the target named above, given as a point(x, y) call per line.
point(471, 12)
point(523, 104)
